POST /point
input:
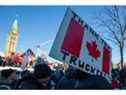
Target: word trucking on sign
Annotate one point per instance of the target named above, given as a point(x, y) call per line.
point(77, 44)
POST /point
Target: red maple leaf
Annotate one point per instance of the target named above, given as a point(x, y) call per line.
point(93, 50)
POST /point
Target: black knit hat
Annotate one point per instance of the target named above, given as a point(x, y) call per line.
point(42, 71)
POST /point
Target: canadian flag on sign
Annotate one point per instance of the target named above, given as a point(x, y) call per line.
point(94, 52)
point(75, 36)
point(78, 42)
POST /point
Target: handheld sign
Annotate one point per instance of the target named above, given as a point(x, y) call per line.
point(77, 44)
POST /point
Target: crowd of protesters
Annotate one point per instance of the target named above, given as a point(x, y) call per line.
point(43, 77)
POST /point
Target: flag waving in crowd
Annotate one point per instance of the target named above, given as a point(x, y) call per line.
point(27, 55)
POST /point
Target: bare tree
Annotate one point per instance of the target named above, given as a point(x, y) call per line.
point(113, 18)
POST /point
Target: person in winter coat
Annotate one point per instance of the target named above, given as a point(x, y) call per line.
point(28, 82)
point(87, 81)
point(123, 78)
point(8, 77)
point(81, 80)
point(43, 74)
point(67, 81)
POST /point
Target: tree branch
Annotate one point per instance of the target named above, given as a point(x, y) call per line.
point(119, 21)
point(112, 16)
point(112, 40)
point(109, 28)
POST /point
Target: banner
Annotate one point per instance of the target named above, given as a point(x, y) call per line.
point(77, 44)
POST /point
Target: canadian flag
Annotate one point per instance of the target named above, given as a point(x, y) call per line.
point(82, 43)
point(77, 39)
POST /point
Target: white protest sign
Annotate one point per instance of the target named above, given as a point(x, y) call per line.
point(77, 44)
